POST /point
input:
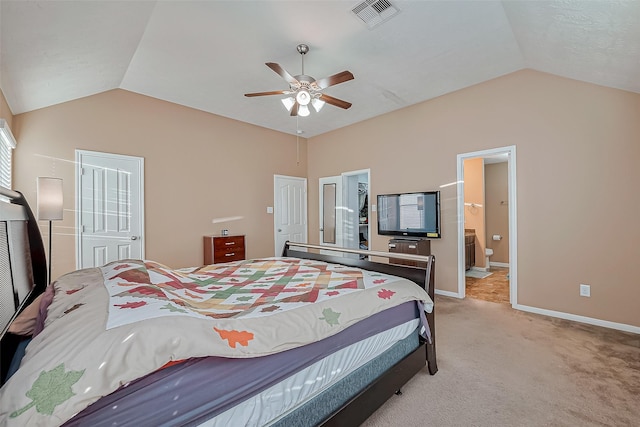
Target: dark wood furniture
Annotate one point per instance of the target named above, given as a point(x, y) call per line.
point(368, 400)
point(23, 268)
point(469, 249)
point(409, 246)
point(219, 249)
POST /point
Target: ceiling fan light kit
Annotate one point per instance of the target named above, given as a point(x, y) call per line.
point(305, 90)
point(303, 97)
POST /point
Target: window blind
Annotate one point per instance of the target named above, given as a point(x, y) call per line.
point(7, 144)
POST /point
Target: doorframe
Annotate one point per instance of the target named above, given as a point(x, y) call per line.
point(342, 179)
point(277, 206)
point(339, 212)
point(513, 229)
point(78, 174)
point(345, 176)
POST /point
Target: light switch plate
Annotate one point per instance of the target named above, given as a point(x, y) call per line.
point(269, 209)
point(585, 290)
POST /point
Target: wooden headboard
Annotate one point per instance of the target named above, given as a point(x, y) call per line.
point(23, 267)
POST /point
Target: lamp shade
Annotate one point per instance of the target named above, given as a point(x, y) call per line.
point(49, 198)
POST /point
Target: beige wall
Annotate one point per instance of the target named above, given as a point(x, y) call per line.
point(577, 153)
point(198, 166)
point(577, 149)
point(496, 182)
point(474, 205)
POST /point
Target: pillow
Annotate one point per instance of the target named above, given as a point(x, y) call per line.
point(47, 299)
point(25, 323)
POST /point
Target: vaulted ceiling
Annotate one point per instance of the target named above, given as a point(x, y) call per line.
point(208, 54)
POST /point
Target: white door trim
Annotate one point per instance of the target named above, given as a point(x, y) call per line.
point(277, 206)
point(366, 172)
point(78, 174)
point(513, 228)
point(338, 181)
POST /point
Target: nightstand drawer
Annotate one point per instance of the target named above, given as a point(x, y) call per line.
point(228, 256)
point(228, 242)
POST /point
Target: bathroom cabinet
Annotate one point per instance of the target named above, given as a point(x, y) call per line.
point(469, 250)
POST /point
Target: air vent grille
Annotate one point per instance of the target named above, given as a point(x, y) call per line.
point(375, 12)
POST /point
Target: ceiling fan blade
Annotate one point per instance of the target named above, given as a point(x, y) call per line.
point(342, 77)
point(283, 73)
point(335, 101)
point(273, 92)
point(294, 109)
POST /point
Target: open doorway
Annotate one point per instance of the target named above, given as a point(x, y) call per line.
point(487, 256)
point(344, 210)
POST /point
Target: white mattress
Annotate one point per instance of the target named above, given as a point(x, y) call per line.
point(280, 399)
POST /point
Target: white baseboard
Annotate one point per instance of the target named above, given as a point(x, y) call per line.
point(582, 319)
point(448, 293)
point(498, 264)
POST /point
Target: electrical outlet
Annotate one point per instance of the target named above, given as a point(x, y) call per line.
point(585, 290)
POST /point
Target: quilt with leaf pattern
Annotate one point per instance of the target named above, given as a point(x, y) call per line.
point(108, 326)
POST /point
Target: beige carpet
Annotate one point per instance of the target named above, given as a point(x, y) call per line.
point(503, 367)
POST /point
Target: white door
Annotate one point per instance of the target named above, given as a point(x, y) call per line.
point(110, 206)
point(290, 213)
point(331, 211)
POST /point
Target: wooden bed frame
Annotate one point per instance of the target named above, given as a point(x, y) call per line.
point(354, 412)
point(365, 403)
point(38, 267)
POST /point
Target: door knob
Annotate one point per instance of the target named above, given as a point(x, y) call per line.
point(134, 237)
point(279, 230)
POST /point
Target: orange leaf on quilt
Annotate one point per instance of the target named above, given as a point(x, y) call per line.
point(235, 337)
point(192, 295)
point(385, 294)
point(171, 363)
point(302, 285)
point(379, 281)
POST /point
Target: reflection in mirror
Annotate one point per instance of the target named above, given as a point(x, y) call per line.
point(329, 213)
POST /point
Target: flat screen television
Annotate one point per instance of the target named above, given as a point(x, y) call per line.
point(410, 214)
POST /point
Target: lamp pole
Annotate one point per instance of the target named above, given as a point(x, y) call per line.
point(50, 207)
point(50, 239)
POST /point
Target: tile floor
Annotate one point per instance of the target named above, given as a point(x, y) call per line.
point(494, 288)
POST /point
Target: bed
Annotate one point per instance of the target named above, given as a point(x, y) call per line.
point(301, 339)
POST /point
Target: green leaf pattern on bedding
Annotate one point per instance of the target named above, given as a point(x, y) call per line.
point(50, 389)
point(330, 316)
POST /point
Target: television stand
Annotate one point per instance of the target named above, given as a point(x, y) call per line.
point(411, 246)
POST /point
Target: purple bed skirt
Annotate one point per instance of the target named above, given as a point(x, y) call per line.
point(198, 389)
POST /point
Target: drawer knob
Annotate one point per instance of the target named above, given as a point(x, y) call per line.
point(229, 243)
point(230, 254)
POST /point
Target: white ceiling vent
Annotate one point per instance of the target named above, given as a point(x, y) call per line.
point(375, 12)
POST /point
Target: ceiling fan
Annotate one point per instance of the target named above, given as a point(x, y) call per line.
point(305, 90)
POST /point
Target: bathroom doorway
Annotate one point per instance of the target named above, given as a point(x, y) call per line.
point(487, 232)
